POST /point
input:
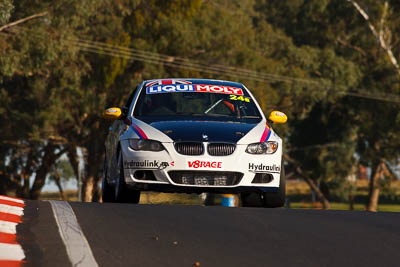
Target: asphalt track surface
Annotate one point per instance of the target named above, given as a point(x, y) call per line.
point(179, 235)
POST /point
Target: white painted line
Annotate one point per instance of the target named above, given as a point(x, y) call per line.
point(11, 209)
point(11, 252)
point(77, 246)
point(12, 199)
point(8, 227)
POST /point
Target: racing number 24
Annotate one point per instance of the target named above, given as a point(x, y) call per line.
point(240, 98)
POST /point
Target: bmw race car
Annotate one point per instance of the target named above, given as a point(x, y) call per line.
point(193, 136)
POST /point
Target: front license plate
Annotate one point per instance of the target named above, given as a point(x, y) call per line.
point(220, 181)
point(200, 181)
point(205, 180)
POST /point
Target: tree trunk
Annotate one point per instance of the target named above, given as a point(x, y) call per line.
point(48, 160)
point(74, 161)
point(374, 187)
point(87, 189)
point(93, 155)
point(22, 20)
point(379, 173)
point(96, 190)
point(351, 199)
point(314, 187)
point(381, 36)
point(57, 179)
point(23, 191)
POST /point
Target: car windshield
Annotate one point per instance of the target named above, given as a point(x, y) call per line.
point(200, 101)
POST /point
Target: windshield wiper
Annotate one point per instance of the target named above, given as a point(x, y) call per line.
point(190, 114)
point(203, 114)
point(250, 117)
point(213, 106)
point(217, 115)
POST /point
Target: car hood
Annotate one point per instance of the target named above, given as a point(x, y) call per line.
point(203, 131)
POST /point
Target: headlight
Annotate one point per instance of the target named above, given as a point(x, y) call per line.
point(262, 148)
point(145, 144)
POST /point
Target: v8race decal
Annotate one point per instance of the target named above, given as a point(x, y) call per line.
point(199, 164)
point(199, 88)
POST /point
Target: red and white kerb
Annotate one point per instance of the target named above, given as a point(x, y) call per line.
point(11, 211)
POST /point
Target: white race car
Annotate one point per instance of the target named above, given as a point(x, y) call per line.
point(193, 136)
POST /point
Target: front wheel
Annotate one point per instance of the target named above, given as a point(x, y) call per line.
point(251, 200)
point(122, 193)
point(267, 199)
point(276, 199)
point(108, 191)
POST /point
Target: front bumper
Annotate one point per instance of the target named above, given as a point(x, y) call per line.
point(169, 188)
point(162, 166)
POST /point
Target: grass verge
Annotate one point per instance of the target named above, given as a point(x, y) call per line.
point(298, 194)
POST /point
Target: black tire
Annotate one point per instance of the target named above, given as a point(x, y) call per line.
point(276, 199)
point(108, 191)
point(251, 200)
point(122, 193)
point(268, 199)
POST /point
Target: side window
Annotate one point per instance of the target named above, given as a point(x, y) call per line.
point(125, 108)
point(129, 101)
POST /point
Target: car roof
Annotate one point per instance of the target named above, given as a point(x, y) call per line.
point(194, 81)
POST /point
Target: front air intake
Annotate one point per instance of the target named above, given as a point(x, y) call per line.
point(206, 178)
point(144, 175)
point(262, 178)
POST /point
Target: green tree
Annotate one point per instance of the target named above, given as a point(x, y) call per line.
point(380, 138)
point(60, 70)
point(6, 6)
point(343, 28)
point(36, 67)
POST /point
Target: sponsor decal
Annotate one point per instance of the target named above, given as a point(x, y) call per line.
point(112, 110)
point(148, 164)
point(196, 164)
point(279, 114)
point(239, 98)
point(170, 88)
point(264, 168)
point(174, 88)
point(218, 89)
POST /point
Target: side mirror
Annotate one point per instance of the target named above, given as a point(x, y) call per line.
point(277, 117)
point(112, 114)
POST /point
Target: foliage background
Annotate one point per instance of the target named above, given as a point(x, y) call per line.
point(316, 60)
